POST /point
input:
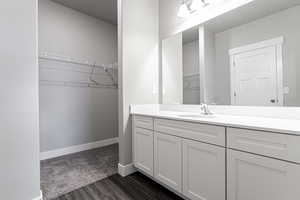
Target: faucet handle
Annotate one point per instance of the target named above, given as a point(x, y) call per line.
point(205, 109)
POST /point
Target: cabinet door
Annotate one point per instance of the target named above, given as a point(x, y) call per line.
point(252, 177)
point(167, 160)
point(143, 150)
point(203, 171)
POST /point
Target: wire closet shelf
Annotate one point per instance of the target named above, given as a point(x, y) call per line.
point(191, 81)
point(90, 72)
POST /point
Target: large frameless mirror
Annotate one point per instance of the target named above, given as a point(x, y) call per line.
point(247, 57)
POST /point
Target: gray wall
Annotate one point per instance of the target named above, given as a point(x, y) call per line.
point(19, 135)
point(285, 23)
point(76, 115)
point(138, 58)
point(190, 52)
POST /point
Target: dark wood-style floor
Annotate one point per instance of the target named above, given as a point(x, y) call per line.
point(133, 187)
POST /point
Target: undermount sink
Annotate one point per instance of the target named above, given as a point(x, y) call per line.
point(196, 116)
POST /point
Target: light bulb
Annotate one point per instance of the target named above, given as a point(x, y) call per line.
point(196, 4)
point(199, 4)
point(183, 11)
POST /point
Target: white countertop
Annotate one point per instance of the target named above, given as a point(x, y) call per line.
point(287, 126)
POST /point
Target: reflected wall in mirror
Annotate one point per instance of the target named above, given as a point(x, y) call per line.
point(191, 67)
point(181, 68)
point(241, 58)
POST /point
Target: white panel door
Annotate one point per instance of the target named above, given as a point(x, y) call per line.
point(143, 150)
point(172, 70)
point(203, 171)
point(255, 77)
point(168, 160)
point(252, 177)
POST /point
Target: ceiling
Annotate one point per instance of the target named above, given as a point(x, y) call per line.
point(106, 10)
point(249, 12)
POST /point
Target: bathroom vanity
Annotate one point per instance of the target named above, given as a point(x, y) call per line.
point(244, 66)
point(219, 157)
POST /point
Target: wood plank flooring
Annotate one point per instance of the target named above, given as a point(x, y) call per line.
point(133, 187)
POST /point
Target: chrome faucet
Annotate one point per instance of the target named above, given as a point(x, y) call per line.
point(205, 109)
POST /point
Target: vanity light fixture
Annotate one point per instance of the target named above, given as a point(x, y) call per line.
point(199, 4)
point(184, 11)
point(187, 8)
point(190, 7)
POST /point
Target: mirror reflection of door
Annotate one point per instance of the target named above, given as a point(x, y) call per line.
point(256, 74)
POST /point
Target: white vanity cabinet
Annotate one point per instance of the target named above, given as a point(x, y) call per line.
point(203, 171)
point(143, 144)
point(189, 158)
point(275, 145)
point(254, 177)
point(194, 131)
point(256, 169)
point(143, 154)
point(168, 160)
point(210, 162)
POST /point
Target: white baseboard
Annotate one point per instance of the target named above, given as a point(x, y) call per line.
point(78, 148)
point(125, 170)
point(39, 197)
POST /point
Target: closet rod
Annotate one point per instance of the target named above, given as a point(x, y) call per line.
point(70, 70)
point(46, 56)
point(192, 88)
point(191, 75)
point(77, 84)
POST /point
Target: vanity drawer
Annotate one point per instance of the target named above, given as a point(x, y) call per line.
point(143, 122)
point(201, 132)
point(281, 146)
